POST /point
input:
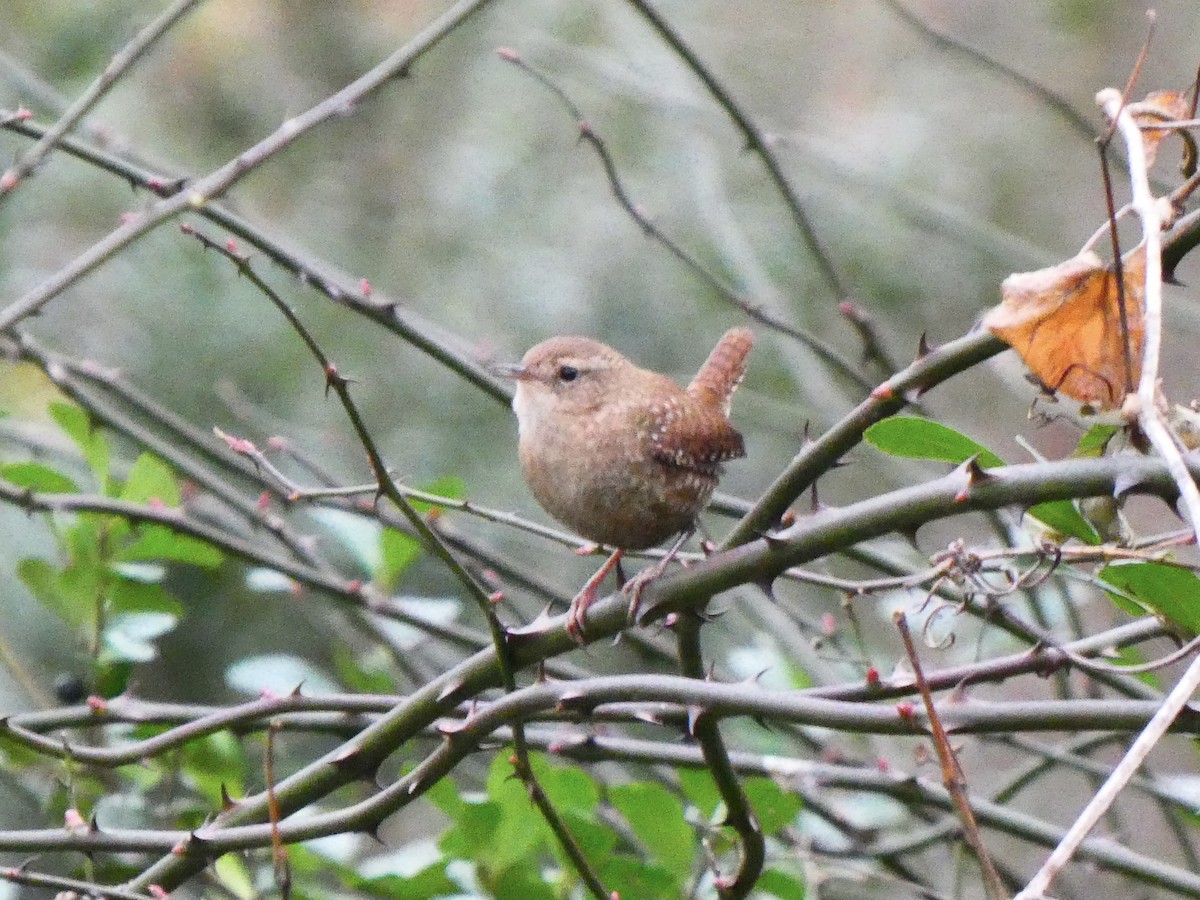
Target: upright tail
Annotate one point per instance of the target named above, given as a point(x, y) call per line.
point(722, 372)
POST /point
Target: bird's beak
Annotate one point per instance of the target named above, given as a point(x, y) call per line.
point(515, 371)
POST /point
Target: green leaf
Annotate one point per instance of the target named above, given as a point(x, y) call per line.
point(656, 817)
point(475, 828)
point(367, 673)
point(75, 422)
point(234, 876)
point(596, 841)
point(784, 885)
point(431, 881)
point(521, 830)
point(445, 795)
point(214, 760)
point(700, 791)
point(37, 477)
point(111, 676)
point(1095, 441)
point(450, 486)
point(1132, 656)
point(127, 595)
point(72, 599)
point(151, 479)
point(159, 543)
point(521, 883)
point(1062, 517)
point(570, 789)
point(89, 539)
point(776, 809)
point(634, 878)
point(1165, 590)
point(398, 551)
point(915, 438)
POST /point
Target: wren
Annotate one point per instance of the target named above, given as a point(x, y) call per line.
point(622, 455)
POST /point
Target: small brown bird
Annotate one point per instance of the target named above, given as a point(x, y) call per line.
point(624, 456)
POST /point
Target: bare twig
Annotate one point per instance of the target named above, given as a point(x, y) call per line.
point(739, 814)
point(1151, 422)
point(952, 774)
point(279, 857)
point(1078, 122)
point(208, 188)
point(754, 140)
point(433, 542)
point(117, 66)
point(589, 135)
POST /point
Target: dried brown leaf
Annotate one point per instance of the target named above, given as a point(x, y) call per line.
point(1157, 106)
point(1066, 323)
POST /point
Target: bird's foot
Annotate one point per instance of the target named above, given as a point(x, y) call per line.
point(638, 582)
point(577, 612)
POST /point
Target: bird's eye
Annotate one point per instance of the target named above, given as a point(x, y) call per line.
point(567, 373)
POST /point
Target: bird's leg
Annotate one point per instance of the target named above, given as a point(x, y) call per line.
point(638, 582)
point(587, 596)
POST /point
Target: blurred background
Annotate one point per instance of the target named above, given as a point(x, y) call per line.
point(462, 193)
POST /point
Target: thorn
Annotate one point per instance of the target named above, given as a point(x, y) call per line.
point(924, 348)
point(569, 698)
point(772, 539)
point(354, 761)
point(227, 802)
point(539, 625)
point(1124, 484)
point(1168, 273)
point(452, 728)
point(450, 689)
point(193, 843)
point(975, 475)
